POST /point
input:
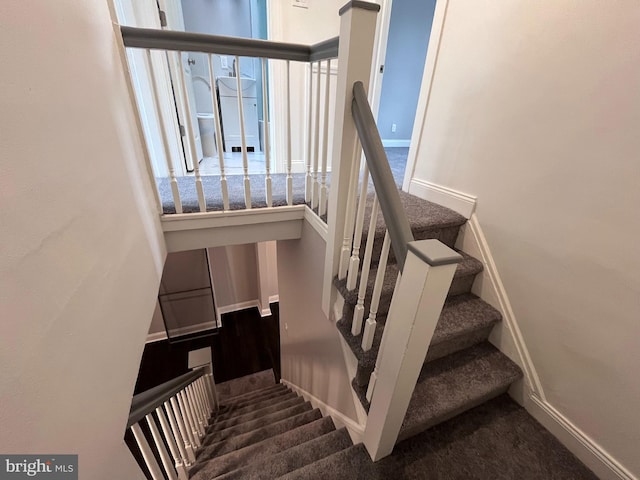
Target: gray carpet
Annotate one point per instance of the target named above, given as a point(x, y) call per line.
point(245, 385)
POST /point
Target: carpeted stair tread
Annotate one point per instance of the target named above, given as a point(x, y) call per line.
point(206, 469)
point(351, 463)
point(258, 435)
point(293, 458)
point(263, 403)
point(248, 401)
point(456, 383)
point(254, 394)
point(238, 420)
point(465, 320)
point(251, 425)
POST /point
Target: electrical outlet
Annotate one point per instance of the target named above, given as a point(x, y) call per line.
point(223, 61)
point(393, 128)
point(300, 3)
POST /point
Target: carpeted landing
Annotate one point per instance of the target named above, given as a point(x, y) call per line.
point(273, 433)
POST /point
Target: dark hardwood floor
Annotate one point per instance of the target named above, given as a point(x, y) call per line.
point(246, 343)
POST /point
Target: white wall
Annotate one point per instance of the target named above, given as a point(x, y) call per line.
point(235, 274)
point(82, 250)
point(310, 349)
point(535, 109)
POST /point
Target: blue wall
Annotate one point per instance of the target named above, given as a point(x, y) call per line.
point(409, 32)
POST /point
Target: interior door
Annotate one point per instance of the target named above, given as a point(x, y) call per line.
point(178, 65)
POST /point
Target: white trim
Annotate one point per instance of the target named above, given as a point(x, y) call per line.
point(235, 307)
point(274, 299)
point(473, 242)
point(316, 222)
point(463, 203)
point(430, 64)
point(390, 142)
point(584, 447)
point(199, 220)
point(200, 327)
point(356, 430)
point(379, 54)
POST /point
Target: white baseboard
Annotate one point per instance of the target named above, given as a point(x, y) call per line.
point(200, 327)
point(274, 298)
point(390, 143)
point(462, 203)
point(579, 443)
point(265, 311)
point(356, 431)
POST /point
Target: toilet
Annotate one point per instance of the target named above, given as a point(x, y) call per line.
point(206, 123)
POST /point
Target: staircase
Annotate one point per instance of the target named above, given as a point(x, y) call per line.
point(266, 434)
point(462, 369)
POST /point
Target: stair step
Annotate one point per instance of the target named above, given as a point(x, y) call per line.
point(258, 435)
point(249, 401)
point(251, 425)
point(463, 279)
point(465, 320)
point(353, 462)
point(207, 468)
point(456, 383)
point(252, 394)
point(266, 402)
point(240, 419)
point(293, 458)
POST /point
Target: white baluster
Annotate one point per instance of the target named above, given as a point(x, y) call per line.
point(191, 137)
point(350, 216)
point(204, 400)
point(216, 116)
point(322, 208)
point(197, 409)
point(162, 450)
point(212, 388)
point(176, 415)
point(315, 190)
point(309, 178)
point(165, 140)
point(202, 411)
point(370, 327)
point(189, 418)
point(147, 454)
point(354, 264)
point(265, 136)
point(245, 159)
point(358, 314)
point(289, 177)
point(172, 438)
point(205, 394)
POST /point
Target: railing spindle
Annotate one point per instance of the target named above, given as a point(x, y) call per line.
point(191, 137)
point(245, 159)
point(315, 191)
point(189, 445)
point(165, 140)
point(147, 454)
point(358, 313)
point(322, 209)
point(216, 117)
point(197, 409)
point(354, 264)
point(349, 218)
point(205, 399)
point(162, 450)
point(309, 178)
point(173, 440)
point(289, 177)
point(265, 136)
point(370, 327)
point(194, 435)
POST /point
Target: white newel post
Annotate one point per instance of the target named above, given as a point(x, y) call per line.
point(411, 321)
point(357, 34)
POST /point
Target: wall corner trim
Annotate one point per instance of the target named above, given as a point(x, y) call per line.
point(356, 430)
point(463, 203)
point(316, 222)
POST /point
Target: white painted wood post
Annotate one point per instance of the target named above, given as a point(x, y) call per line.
point(219, 144)
point(289, 177)
point(322, 207)
point(309, 179)
point(162, 450)
point(189, 446)
point(147, 453)
point(358, 313)
point(243, 138)
point(165, 140)
point(411, 321)
point(315, 190)
point(265, 136)
point(357, 34)
point(191, 136)
point(173, 440)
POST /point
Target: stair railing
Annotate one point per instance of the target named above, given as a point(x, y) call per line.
point(182, 407)
point(164, 47)
point(426, 266)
